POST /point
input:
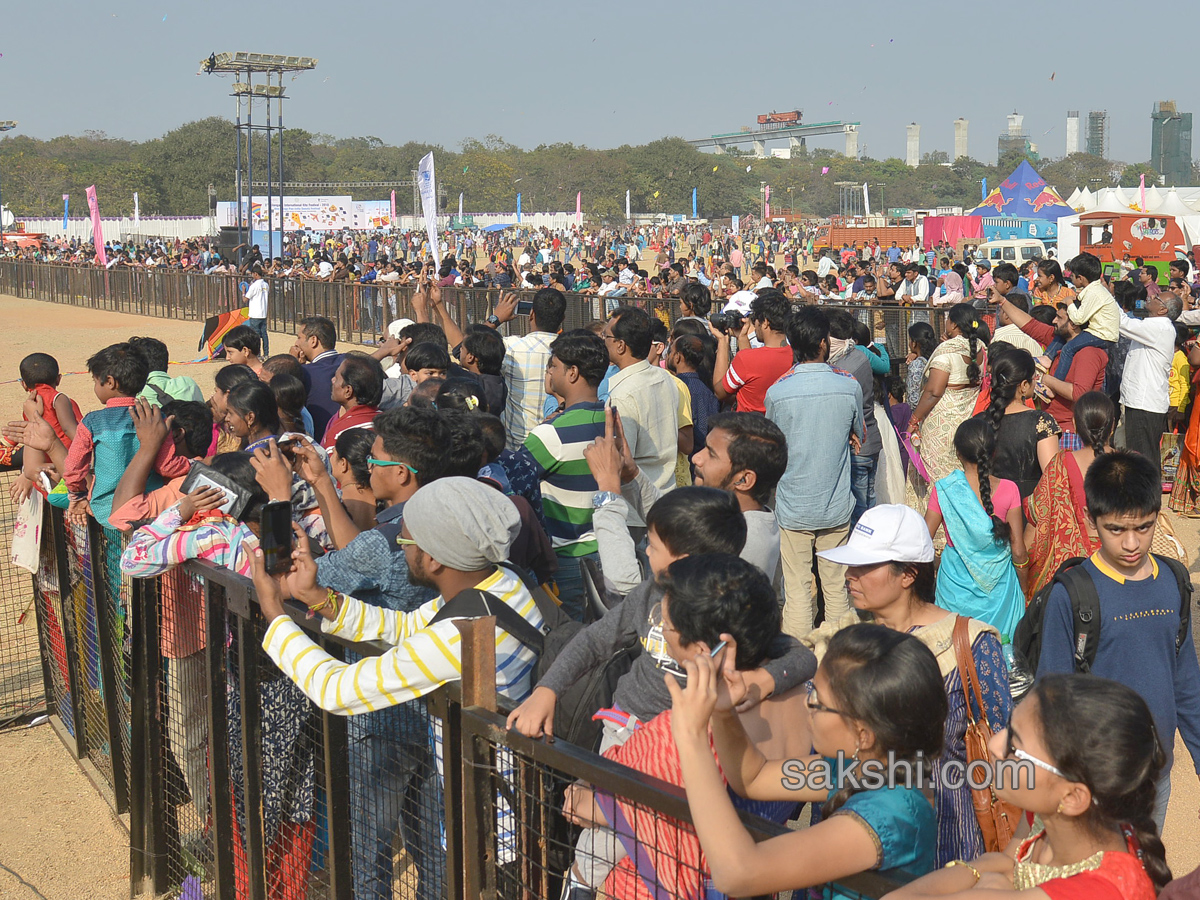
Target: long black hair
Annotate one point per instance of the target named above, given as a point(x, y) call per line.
point(1095, 419)
point(965, 318)
point(922, 334)
point(890, 682)
point(1122, 770)
point(975, 443)
point(1009, 369)
point(255, 397)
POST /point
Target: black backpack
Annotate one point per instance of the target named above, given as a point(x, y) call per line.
point(1085, 613)
point(575, 707)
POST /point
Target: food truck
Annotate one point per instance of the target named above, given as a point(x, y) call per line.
point(1109, 236)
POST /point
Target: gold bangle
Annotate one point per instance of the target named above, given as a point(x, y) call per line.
point(964, 864)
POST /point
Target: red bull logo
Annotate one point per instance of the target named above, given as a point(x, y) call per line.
point(1046, 197)
point(996, 201)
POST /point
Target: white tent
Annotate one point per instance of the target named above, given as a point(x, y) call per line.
point(1154, 198)
point(1109, 200)
point(1119, 195)
point(1068, 238)
point(1172, 205)
point(1073, 200)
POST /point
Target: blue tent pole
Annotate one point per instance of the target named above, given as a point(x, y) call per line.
point(983, 195)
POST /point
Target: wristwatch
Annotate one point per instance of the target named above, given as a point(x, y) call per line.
point(492, 320)
point(603, 498)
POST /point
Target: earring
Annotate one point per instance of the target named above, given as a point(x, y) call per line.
point(1058, 811)
point(855, 757)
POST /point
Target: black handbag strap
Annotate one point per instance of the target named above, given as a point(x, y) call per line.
point(474, 603)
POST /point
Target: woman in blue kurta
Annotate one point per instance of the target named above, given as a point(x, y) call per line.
point(890, 576)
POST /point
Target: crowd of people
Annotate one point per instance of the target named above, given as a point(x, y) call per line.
point(804, 552)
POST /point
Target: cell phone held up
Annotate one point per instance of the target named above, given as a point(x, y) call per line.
point(275, 537)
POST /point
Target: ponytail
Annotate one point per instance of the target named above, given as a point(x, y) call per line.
point(1009, 369)
point(1095, 418)
point(965, 318)
point(975, 443)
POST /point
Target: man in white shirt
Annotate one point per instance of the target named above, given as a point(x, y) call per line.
point(645, 397)
point(915, 287)
point(1009, 333)
point(1145, 380)
point(256, 296)
point(824, 264)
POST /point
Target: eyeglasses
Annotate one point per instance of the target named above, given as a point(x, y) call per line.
point(406, 542)
point(1010, 750)
point(818, 706)
point(372, 461)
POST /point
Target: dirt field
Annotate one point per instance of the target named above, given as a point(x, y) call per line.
point(56, 833)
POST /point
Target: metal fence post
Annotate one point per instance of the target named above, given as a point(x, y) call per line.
point(478, 854)
point(220, 788)
point(70, 637)
point(256, 867)
point(336, 754)
point(106, 613)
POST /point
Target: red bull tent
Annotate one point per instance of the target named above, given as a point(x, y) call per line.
point(1023, 195)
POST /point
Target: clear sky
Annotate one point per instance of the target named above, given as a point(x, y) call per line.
point(605, 74)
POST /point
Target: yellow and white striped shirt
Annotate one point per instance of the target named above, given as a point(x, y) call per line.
point(423, 656)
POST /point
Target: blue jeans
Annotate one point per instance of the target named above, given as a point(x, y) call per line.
point(1073, 346)
point(1161, 797)
point(260, 325)
point(862, 485)
point(569, 579)
point(387, 771)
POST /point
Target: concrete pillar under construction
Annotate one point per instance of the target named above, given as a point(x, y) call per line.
point(852, 142)
point(1072, 132)
point(960, 138)
point(913, 154)
point(760, 150)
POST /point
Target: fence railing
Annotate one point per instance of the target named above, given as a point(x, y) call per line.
point(21, 679)
point(235, 786)
point(360, 312)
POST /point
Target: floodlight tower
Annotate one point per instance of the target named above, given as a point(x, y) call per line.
point(6, 125)
point(248, 70)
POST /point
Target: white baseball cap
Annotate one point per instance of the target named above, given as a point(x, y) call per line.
point(887, 533)
point(398, 326)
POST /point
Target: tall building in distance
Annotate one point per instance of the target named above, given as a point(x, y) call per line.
point(1097, 133)
point(1015, 140)
point(912, 155)
point(960, 139)
point(1072, 131)
point(1171, 143)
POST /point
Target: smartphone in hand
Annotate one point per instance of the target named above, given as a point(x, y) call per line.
point(275, 537)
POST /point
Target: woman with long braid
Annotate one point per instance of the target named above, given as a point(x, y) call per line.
point(1026, 439)
point(985, 536)
point(951, 386)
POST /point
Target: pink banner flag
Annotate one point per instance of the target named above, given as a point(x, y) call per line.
point(767, 203)
point(393, 209)
point(579, 208)
point(97, 230)
point(1143, 185)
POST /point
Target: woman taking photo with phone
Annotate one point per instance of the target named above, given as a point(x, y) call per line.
point(877, 692)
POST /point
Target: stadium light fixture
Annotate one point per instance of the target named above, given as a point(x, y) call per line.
point(255, 62)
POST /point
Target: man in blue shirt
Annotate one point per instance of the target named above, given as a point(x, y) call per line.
point(893, 253)
point(820, 411)
point(1139, 608)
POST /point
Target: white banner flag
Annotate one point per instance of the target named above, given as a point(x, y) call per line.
point(428, 187)
point(137, 217)
point(627, 206)
point(866, 201)
point(460, 196)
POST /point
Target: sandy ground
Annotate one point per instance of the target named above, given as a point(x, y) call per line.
point(56, 832)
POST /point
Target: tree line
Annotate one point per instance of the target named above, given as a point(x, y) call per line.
point(172, 174)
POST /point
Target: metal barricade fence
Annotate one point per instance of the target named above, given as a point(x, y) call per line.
point(21, 682)
point(238, 787)
point(360, 312)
